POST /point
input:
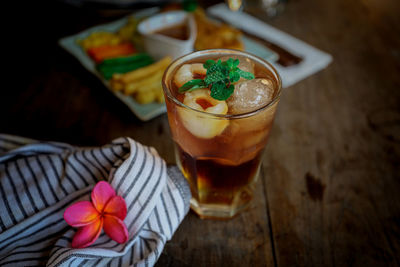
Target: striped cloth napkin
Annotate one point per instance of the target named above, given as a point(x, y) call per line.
point(39, 180)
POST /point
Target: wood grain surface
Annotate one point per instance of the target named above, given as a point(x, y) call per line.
point(328, 194)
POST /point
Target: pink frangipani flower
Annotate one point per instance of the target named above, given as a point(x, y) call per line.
point(106, 211)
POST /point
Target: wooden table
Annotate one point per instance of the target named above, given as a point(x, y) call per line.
point(330, 181)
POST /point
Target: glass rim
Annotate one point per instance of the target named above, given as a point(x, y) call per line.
point(175, 63)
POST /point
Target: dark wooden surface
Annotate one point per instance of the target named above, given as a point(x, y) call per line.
point(329, 189)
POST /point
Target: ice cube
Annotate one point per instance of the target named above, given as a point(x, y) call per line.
point(250, 95)
point(245, 63)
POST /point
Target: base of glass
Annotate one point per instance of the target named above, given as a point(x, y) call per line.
point(221, 211)
point(202, 204)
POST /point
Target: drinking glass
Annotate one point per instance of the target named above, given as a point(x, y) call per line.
point(219, 155)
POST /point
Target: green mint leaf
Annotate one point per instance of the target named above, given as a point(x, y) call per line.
point(225, 64)
point(217, 67)
point(209, 63)
point(231, 63)
point(220, 92)
point(219, 78)
point(236, 63)
point(245, 74)
point(192, 85)
point(214, 76)
point(225, 70)
point(197, 87)
point(234, 76)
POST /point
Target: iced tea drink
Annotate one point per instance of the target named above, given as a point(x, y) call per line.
point(219, 143)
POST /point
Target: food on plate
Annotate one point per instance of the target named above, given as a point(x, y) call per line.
point(144, 84)
point(129, 32)
point(126, 59)
point(115, 52)
point(215, 35)
point(119, 55)
point(112, 66)
point(99, 53)
point(178, 31)
point(100, 38)
point(140, 85)
point(132, 76)
point(132, 72)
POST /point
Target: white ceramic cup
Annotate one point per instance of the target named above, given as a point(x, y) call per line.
point(158, 45)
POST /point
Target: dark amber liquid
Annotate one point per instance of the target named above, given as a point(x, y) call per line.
point(214, 182)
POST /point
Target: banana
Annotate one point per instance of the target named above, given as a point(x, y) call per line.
point(199, 124)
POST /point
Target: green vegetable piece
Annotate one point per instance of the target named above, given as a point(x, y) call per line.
point(108, 71)
point(125, 60)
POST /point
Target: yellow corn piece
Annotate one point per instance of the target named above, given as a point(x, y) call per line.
point(130, 89)
point(116, 85)
point(144, 83)
point(96, 39)
point(160, 98)
point(149, 70)
point(145, 97)
point(129, 29)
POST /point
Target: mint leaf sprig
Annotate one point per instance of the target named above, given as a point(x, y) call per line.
point(219, 78)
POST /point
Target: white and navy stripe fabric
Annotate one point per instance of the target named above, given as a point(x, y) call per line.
point(39, 180)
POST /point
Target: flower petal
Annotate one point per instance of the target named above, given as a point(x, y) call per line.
point(86, 235)
point(117, 207)
point(101, 194)
point(80, 214)
point(115, 229)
